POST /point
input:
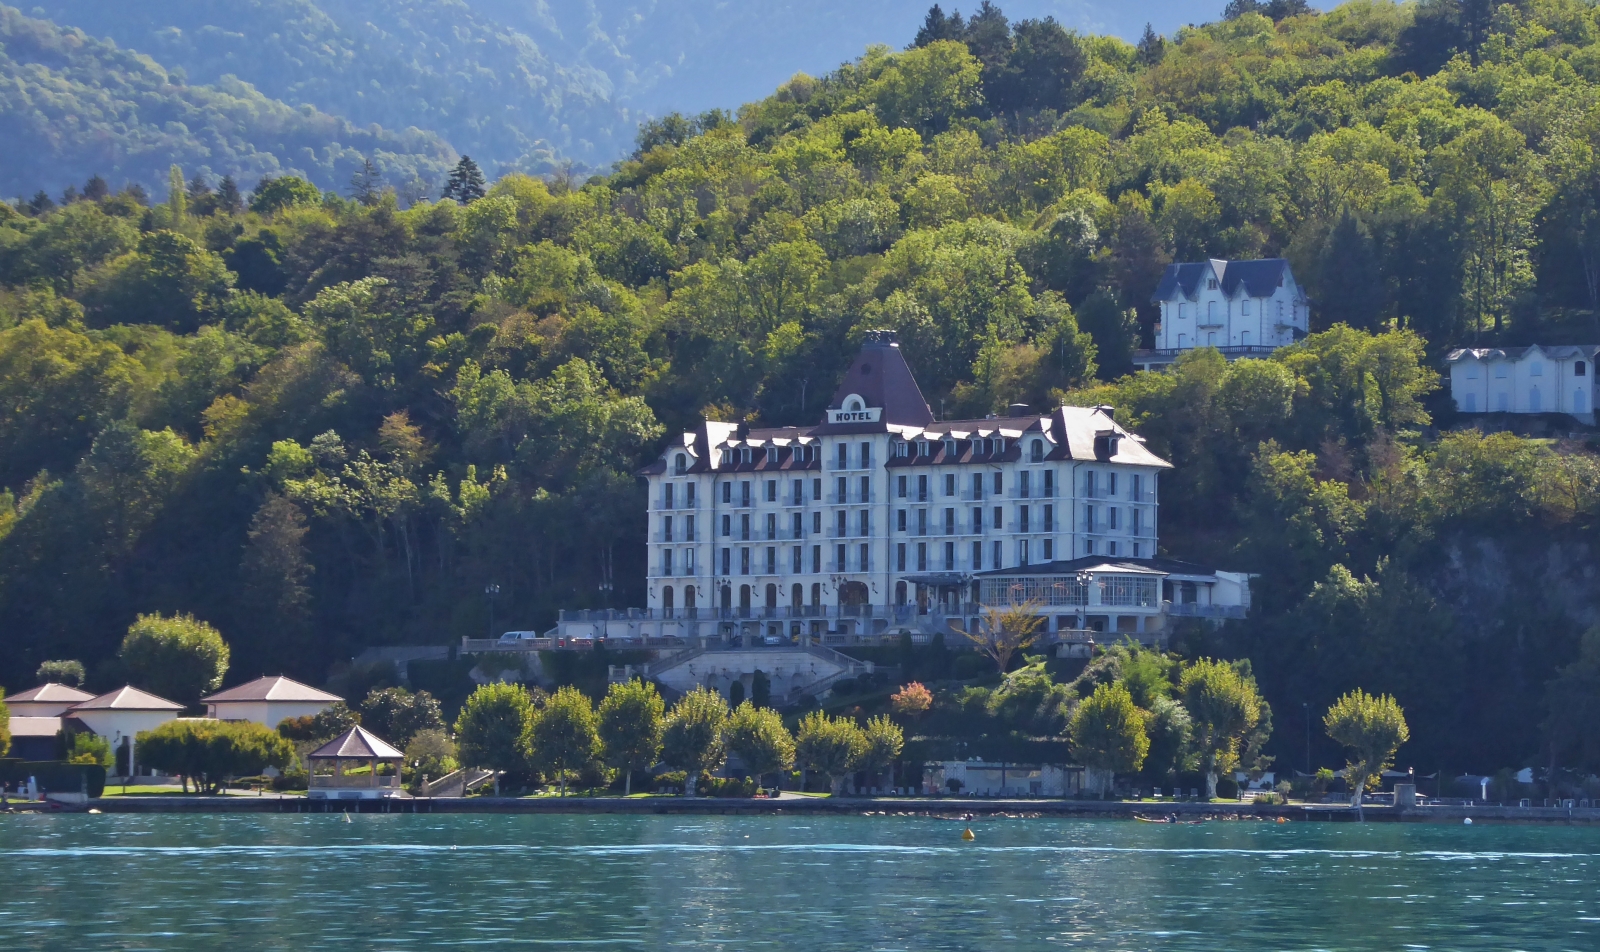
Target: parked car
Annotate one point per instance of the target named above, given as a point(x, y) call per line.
point(519, 636)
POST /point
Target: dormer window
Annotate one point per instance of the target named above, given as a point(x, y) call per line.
point(853, 405)
point(901, 448)
point(950, 448)
point(772, 454)
point(681, 464)
point(1036, 451)
point(1000, 445)
point(923, 448)
point(747, 454)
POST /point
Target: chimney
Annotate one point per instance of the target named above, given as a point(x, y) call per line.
point(1017, 410)
point(1109, 411)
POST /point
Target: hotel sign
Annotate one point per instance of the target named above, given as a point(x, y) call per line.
point(869, 415)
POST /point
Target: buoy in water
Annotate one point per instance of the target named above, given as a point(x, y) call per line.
point(1467, 821)
point(966, 834)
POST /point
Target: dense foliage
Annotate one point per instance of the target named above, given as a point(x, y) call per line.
point(322, 423)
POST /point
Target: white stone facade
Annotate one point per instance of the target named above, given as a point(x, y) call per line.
point(880, 503)
point(1535, 379)
point(1242, 308)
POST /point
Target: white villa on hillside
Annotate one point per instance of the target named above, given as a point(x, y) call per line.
point(1242, 308)
point(1534, 379)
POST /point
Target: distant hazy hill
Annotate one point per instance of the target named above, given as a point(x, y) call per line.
point(73, 106)
point(519, 84)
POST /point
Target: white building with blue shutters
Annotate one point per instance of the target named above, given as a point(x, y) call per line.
point(1536, 379)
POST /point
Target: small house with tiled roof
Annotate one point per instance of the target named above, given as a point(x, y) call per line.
point(46, 700)
point(119, 716)
point(269, 701)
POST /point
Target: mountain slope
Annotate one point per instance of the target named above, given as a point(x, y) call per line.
point(72, 106)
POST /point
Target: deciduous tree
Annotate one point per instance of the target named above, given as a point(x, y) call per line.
point(693, 740)
point(565, 734)
point(632, 719)
point(176, 657)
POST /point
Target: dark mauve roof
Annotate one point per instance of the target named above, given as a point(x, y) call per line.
point(1260, 277)
point(357, 743)
point(880, 377)
point(275, 688)
point(51, 693)
point(128, 699)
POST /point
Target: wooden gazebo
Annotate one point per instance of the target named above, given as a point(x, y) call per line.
point(336, 768)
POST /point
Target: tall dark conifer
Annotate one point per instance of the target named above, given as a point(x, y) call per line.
point(229, 201)
point(936, 26)
point(1350, 287)
point(466, 184)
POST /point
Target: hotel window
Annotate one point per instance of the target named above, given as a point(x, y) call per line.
point(816, 523)
point(727, 564)
point(688, 528)
point(1136, 488)
point(1049, 523)
point(1136, 521)
point(949, 522)
point(666, 561)
point(1136, 550)
point(949, 556)
point(977, 518)
point(727, 492)
point(799, 487)
point(666, 528)
point(866, 522)
point(923, 448)
point(1111, 547)
point(1022, 553)
point(999, 520)
point(998, 552)
point(1049, 549)
point(900, 486)
point(922, 522)
point(1088, 547)
point(900, 557)
point(688, 495)
point(922, 556)
point(841, 489)
point(688, 561)
point(772, 525)
point(1113, 520)
point(866, 455)
point(666, 496)
point(1049, 482)
point(772, 560)
point(999, 484)
point(772, 490)
point(797, 525)
point(796, 562)
point(816, 489)
point(1089, 483)
point(1024, 487)
point(838, 553)
point(1088, 518)
point(772, 454)
point(900, 520)
point(839, 523)
point(816, 559)
point(977, 485)
point(744, 526)
point(744, 493)
point(977, 556)
point(1111, 485)
point(866, 558)
point(949, 484)
point(844, 455)
point(922, 488)
point(866, 489)
point(744, 561)
point(1022, 519)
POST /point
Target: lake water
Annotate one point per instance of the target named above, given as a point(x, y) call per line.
point(746, 883)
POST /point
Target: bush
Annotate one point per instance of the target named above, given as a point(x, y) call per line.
point(671, 781)
point(1227, 788)
point(969, 665)
point(211, 752)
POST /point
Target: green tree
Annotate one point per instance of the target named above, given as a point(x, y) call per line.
point(275, 194)
point(397, 715)
point(213, 752)
point(832, 746)
point(632, 719)
point(466, 184)
point(494, 727)
point(70, 673)
point(1108, 732)
point(884, 742)
point(178, 657)
point(88, 749)
point(565, 735)
point(1224, 708)
point(1003, 631)
point(756, 735)
point(693, 739)
point(431, 754)
point(1372, 729)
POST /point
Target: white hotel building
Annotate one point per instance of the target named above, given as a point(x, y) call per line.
point(880, 520)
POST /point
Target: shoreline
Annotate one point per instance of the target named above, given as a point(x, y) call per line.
point(802, 806)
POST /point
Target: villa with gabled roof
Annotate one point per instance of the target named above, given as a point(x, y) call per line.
point(1242, 308)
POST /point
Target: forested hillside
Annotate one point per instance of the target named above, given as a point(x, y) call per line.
point(321, 422)
point(72, 106)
